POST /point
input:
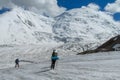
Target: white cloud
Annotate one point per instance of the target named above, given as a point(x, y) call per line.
point(113, 7)
point(48, 7)
point(93, 6)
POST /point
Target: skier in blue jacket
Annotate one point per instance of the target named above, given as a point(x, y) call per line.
point(54, 57)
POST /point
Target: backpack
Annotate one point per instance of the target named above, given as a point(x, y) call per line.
point(55, 58)
point(17, 61)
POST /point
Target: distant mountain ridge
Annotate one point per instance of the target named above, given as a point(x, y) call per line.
point(77, 27)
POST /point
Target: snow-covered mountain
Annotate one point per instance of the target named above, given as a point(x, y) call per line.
point(85, 27)
point(85, 24)
point(78, 28)
point(24, 27)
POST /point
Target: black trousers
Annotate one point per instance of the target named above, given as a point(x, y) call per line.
point(17, 65)
point(53, 64)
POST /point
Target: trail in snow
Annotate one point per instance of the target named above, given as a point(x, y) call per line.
point(99, 66)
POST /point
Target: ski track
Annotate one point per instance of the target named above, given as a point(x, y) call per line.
point(99, 66)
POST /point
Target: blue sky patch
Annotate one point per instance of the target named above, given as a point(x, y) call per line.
point(3, 10)
point(117, 16)
point(70, 4)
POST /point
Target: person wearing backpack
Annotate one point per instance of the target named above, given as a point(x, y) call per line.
point(17, 63)
point(54, 58)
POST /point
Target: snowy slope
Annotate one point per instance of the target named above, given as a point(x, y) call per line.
point(24, 27)
point(102, 66)
point(33, 53)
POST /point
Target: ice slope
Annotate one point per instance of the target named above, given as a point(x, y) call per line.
point(20, 26)
point(101, 66)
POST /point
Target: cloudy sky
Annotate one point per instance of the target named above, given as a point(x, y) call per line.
point(56, 7)
point(39, 6)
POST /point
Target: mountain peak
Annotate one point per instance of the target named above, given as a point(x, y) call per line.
point(84, 25)
point(26, 24)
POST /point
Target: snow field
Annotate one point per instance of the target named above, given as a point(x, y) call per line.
point(97, 66)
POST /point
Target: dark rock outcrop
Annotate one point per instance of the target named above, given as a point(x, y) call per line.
point(110, 45)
